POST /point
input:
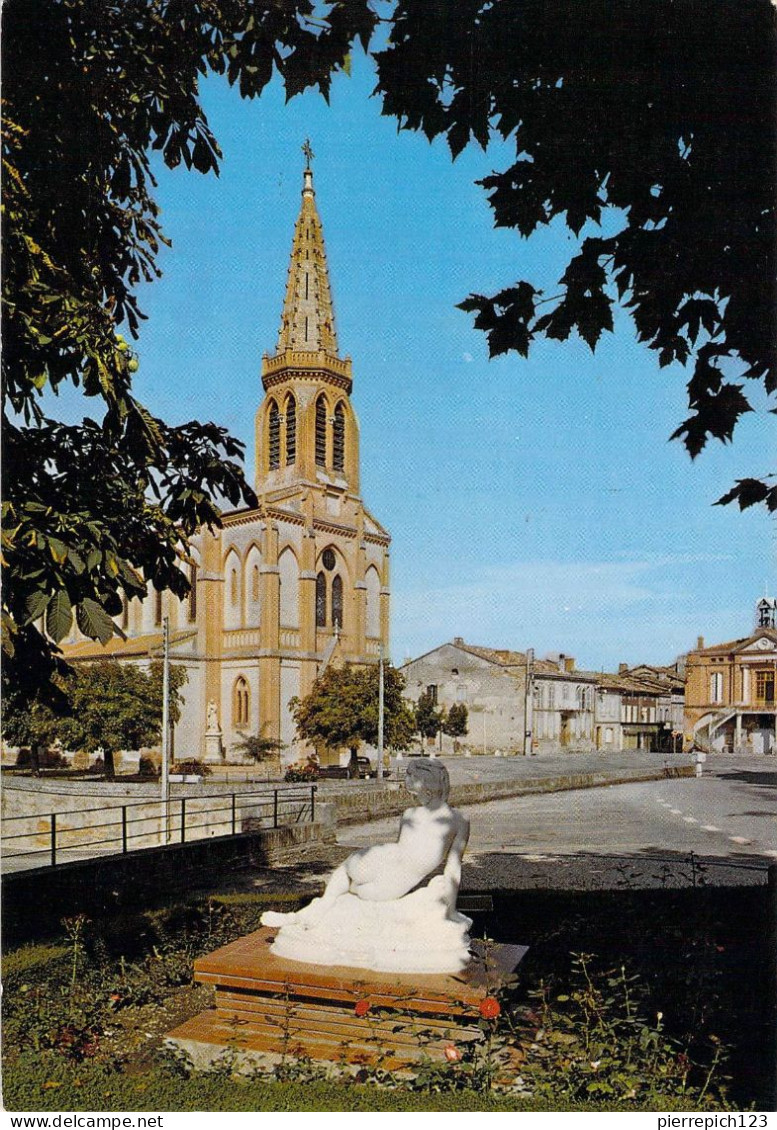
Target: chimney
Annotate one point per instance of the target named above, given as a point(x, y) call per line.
point(699, 643)
point(569, 663)
point(622, 668)
point(458, 640)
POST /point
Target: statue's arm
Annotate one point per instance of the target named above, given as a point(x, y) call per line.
point(452, 870)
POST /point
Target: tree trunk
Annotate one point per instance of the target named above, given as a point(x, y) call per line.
point(110, 765)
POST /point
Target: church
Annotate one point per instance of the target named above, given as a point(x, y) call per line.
point(302, 579)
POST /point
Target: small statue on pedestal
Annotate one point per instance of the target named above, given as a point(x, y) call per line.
point(212, 713)
point(392, 907)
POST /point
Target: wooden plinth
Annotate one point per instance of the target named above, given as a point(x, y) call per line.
point(266, 1003)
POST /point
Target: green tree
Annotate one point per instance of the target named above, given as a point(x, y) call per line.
point(342, 709)
point(456, 721)
point(428, 719)
point(107, 505)
point(114, 706)
point(647, 127)
point(105, 705)
point(31, 721)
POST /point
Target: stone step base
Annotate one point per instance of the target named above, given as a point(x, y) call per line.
point(266, 1004)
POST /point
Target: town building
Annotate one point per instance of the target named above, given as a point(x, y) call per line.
point(730, 703)
point(637, 709)
point(563, 705)
point(490, 682)
point(281, 587)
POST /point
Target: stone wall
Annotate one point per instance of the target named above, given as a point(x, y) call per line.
point(35, 901)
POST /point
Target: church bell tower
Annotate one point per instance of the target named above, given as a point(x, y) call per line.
point(307, 435)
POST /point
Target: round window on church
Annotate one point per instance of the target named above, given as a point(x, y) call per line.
point(328, 559)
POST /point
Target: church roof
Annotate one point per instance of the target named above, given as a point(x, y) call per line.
point(308, 321)
point(118, 648)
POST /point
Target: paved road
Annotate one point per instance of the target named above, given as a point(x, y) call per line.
point(658, 829)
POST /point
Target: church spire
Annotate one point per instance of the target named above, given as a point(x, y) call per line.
point(307, 321)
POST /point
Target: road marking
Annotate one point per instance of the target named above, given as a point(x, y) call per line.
point(676, 811)
point(690, 820)
point(709, 828)
point(739, 840)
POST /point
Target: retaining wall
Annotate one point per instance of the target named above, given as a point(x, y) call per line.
point(35, 901)
point(359, 807)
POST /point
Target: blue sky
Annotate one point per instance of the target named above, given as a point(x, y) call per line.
point(531, 503)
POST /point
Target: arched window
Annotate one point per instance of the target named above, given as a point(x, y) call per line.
point(321, 432)
point(157, 607)
point(233, 613)
point(337, 601)
point(372, 581)
point(253, 581)
point(241, 701)
point(291, 431)
point(124, 612)
point(338, 439)
point(192, 593)
point(275, 437)
point(320, 601)
point(288, 576)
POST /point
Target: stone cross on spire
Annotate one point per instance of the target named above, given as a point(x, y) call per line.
point(307, 322)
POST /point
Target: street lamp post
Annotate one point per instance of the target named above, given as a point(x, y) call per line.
point(380, 711)
point(166, 725)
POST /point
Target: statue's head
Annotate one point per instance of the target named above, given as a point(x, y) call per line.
point(430, 775)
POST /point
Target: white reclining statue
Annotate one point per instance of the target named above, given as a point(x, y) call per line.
point(392, 907)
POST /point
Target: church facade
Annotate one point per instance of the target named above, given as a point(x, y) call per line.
point(302, 579)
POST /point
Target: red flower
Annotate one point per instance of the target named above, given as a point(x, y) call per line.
point(452, 1054)
point(489, 1008)
point(362, 1007)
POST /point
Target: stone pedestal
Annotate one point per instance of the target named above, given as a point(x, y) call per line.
point(214, 747)
point(275, 1006)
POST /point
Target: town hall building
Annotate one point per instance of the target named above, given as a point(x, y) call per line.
point(303, 578)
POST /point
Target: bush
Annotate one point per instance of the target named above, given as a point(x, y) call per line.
point(147, 767)
point(596, 1039)
point(192, 767)
point(47, 759)
point(302, 772)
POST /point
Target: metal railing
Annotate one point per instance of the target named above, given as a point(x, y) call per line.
point(46, 839)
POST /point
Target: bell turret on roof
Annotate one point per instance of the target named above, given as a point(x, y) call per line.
point(308, 321)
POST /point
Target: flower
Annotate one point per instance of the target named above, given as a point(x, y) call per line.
point(596, 1064)
point(489, 1008)
point(362, 1007)
point(452, 1054)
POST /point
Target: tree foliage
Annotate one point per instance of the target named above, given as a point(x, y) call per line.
point(92, 88)
point(342, 709)
point(654, 116)
point(428, 719)
point(105, 706)
point(659, 113)
point(456, 723)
